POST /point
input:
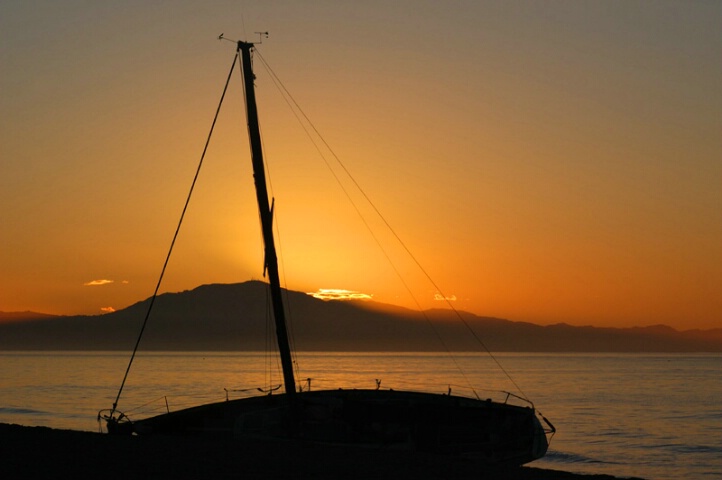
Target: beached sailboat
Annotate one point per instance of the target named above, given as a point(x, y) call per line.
point(498, 432)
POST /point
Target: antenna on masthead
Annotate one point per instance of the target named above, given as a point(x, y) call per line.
point(261, 36)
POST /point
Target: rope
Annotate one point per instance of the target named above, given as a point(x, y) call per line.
point(175, 236)
point(294, 107)
point(289, 99)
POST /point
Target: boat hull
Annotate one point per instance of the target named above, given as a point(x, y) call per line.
point(497, 433)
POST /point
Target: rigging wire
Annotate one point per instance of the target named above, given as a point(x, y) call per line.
point(289, 98)
point(175, 236)
point(294, 107)
point(270, 361)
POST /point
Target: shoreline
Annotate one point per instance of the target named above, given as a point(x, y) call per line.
point(42, 452)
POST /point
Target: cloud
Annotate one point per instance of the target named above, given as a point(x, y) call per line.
point(94, 283)
point(107, 309)
point(339, 294)
point(440, 298)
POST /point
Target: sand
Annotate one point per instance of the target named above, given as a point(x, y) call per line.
point(39, 452)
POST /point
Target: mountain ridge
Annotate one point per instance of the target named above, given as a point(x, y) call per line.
point(234, 317)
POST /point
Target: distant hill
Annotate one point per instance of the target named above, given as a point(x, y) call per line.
point(20, 316)
point(233, 317)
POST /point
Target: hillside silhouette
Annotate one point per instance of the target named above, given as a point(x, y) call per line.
point(234, 317)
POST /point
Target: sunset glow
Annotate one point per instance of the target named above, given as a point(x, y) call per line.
point(339, 294)
point(543, 162)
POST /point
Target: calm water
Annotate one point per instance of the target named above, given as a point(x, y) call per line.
point(651, 416)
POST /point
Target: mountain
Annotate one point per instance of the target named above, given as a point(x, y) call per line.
point(233, 317)
point(20, 316)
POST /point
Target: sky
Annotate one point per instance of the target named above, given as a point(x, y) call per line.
point(553, 161)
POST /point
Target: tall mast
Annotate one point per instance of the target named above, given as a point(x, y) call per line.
point(271, 260)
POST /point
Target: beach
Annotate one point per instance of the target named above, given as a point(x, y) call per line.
point(40, 452)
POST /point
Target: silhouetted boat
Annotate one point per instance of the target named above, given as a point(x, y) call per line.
point(498, 432)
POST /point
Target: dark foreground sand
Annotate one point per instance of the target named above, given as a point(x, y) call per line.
point(38, 452)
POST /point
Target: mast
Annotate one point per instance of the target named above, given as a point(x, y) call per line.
point(266, 214)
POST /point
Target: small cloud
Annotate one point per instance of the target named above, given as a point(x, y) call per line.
point(107, 309)
point(125, 282)
point(339, 294)
point(94, 283)
point(440, 298)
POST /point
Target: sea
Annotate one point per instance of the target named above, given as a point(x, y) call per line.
point(653, 416)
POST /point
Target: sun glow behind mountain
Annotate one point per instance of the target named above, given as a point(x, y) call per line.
point(339, 294)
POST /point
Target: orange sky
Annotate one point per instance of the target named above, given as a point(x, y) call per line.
point(544, 162)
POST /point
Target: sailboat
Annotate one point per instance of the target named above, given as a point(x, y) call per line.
point(499, 432)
